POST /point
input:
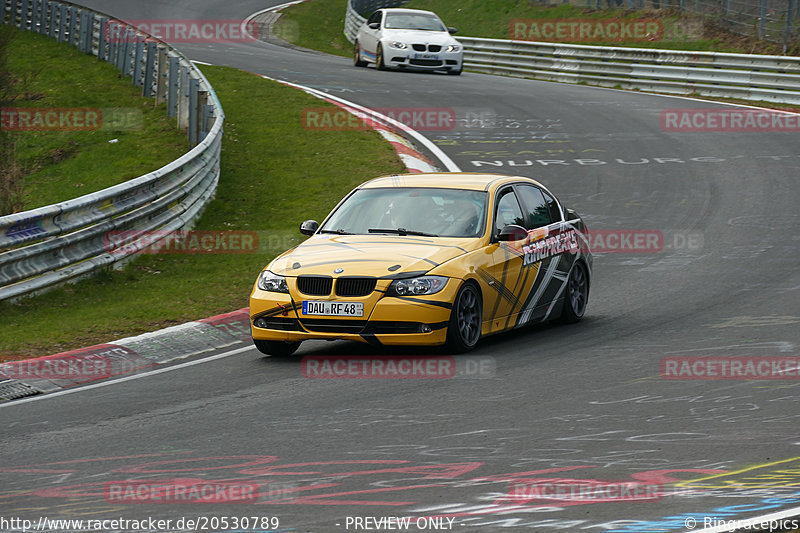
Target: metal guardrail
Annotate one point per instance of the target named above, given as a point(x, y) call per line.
point(745, 76)
point(47, 246)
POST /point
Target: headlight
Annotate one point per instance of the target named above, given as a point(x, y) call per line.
point(268, 281)
point(398, 44)
point(453, 48)
point(417, 286)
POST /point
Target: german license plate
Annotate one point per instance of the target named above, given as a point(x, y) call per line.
point(426, 56)
point(333, 308)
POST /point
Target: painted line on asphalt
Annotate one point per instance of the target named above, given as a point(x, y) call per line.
point(127, 378)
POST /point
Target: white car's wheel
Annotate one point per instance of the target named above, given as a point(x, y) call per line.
point(357, 56)
point(379, 63)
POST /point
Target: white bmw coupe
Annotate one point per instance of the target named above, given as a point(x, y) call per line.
point(407, 39)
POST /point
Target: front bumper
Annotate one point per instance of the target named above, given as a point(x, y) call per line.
point(387, 320)
point(398, 58)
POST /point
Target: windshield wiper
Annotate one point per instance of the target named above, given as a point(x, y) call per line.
point(402, 231)
point(336, 231)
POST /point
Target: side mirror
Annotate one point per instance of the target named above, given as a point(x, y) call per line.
point(572, 215)
point(309, 227)
point(375, 25)
point(512, 232)
point(452, 31)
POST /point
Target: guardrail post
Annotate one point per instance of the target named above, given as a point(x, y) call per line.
point(130, 52)
point(172, 88)
point(123, 49)
point(44, 8)
point(102, 38)
point(73, 25)
point(35, 15)
point(162, 75)
point(207, 115)
point(84, 32)
point(62, 23)
point(90, 19)
point(194, 110)
point(111, 34)
point(23, 15)
point(137, 61)
point(52, 20)
point(149, 67)
point(117, 43)
point(183, 99)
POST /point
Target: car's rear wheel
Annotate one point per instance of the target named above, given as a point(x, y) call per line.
point(577, 294)
point(276, 348)
point(357, 56)
point(379, 63)
point(464, 328)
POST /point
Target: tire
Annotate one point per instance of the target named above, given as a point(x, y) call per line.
point(455, 72)
point(357, 56)
point(577, 294)
point(379, 64)
point(276, 348)
point(464, 328)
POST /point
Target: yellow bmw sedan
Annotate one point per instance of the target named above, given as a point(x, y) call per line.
point(426, 259)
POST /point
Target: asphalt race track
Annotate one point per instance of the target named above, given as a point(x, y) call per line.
point(581, 405)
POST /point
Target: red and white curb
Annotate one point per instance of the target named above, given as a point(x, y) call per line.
point(124, 356)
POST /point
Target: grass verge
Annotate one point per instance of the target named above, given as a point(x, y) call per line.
point(274, 175)
point(59, 165)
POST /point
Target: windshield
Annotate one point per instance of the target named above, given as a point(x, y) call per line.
point(431, 211)
point(413, 21)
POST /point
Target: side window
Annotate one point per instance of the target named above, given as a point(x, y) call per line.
point(508, 210)
point(552, 206)
point(537, 211)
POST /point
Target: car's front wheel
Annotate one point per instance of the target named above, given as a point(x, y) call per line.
point(464, 328)
point(379, 63)
point(454, 72)
point(577, 294)
point(276, 348)
point(357, 56)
